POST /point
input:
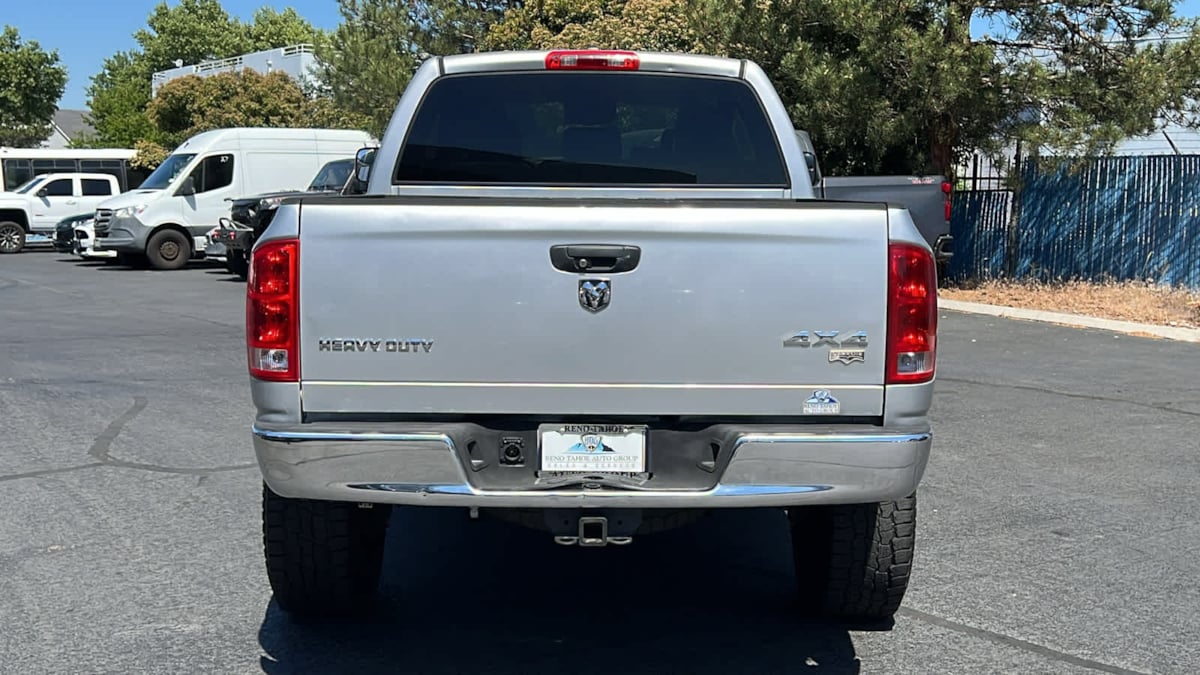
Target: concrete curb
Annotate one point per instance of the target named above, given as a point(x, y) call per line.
point(1076, 320)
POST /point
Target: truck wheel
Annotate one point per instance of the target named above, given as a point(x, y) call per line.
point(237, 264)
point(323, 558)
point(168, 250)
point(853, 561)
point(12, 237)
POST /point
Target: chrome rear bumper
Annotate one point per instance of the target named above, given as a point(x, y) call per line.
point(423, 468)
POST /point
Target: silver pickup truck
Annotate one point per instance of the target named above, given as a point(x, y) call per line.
point(591, 292)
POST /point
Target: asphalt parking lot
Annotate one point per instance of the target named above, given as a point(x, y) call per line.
point(1058, 528)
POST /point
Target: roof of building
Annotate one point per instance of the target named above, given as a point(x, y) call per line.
point(72, 123)
point(1167, 141)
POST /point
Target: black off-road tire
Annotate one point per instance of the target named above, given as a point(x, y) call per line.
point(323, 558)
point(853, 562)
point(12, 237)
point(168, 250)
point(942, 267)
point(237, 264)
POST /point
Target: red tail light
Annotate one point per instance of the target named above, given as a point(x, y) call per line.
point(948, 190)
point(592, 59)
point(272, 304)
point(912, 314)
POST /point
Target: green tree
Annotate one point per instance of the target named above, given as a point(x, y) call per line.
point(883, 88)
point(190, 105)
point(190, 31)
point(457, 26)
point(1095, 72)
point(271, 29)
point(369, 59)
point(117, 103)
point(650, 25)
point(31, 82)
point(902, 85)
point(148, 155)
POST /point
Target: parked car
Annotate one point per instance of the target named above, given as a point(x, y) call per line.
point(250, 216)
point(64, 231)
point(214, 248)
point(612, 302)
point(85, 243)
point(30, 213)
point(164, 221)
point(223, 245)
point(927, 198)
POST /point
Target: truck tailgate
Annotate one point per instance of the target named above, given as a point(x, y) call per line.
point(414, 305)
point(922, 196)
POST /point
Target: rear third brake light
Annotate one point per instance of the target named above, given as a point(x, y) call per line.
point(912, 314)
point(592, 59)
point(272, 304)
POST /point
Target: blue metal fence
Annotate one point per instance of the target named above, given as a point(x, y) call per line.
point(1113, 218)
point(979, 221)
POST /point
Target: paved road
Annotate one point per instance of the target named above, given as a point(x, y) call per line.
point(1058, 530)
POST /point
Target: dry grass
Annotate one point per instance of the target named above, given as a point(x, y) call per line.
point(1139, 301)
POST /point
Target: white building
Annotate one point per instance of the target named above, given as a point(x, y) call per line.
point(295, 60)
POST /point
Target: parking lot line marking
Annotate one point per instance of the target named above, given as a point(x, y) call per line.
point(1067, 394)
point(45, 287)
point(49, 472)
point(103, 442)
point(1023, 645)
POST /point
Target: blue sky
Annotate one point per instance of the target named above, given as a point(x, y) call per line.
point(85, 32)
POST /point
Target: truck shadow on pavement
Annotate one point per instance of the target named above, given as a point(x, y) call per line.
point(461, 596)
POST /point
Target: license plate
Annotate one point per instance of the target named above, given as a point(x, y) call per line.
point(593, 448)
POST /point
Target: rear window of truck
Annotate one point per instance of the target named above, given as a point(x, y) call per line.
point(554, 128)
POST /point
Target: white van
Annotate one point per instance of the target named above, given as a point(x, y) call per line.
point(163, 221)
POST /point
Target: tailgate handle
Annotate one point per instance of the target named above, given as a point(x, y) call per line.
point(593, 258)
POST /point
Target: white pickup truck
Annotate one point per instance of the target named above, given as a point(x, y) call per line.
point(30, 212)
point(591, 292)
